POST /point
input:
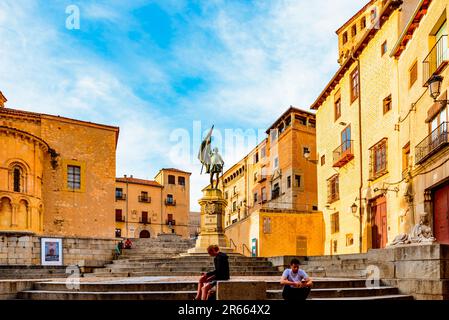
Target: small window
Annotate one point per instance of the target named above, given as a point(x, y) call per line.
point(349, 239)
point(170, 199)
point(337, 105)
point(354, 30)
point(378, 159)
point(333, 193)
point(182, 181)
point(405, 157)
point(345, 38)
point(119, 215)
point(118, 233)
point(171, 179)
point(234, 206)
point(323, 160)
point(256, 157)
point(289, 182)
point(363, 23)
point(355, 86)
point(74, 177)
point(297, 181)
point(335, 222)
point(263, 152)
point(17, 175)
point(255, 197)
point(413, 74)
point(387, 104)
point(118, 193)
point(266, 225)
point(264, 194)
point(383, 48)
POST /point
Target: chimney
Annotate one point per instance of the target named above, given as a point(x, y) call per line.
point(124, 175)
point(131, 176)
point(2, 100)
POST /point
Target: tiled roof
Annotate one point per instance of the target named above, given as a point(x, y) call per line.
point(177, 170)
point(139, 181)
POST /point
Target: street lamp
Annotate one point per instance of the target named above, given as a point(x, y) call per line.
point(435, 86)
point(307, 156)
point(354, 208)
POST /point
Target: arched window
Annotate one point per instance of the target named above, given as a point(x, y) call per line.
point(17, 173)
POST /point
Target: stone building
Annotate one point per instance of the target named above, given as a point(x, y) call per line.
point(52, 183)
point(271, 193)
point(381, 162)
point(146, 208)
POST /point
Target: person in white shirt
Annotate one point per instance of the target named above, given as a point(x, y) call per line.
point(297, 284)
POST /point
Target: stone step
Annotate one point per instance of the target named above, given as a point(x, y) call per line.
point(116, 295)
point(316, 294)
point(175, 273)
point(176, 286)
point(341, 292)
point(177, 264)
point(186, 259)
point(189, 269)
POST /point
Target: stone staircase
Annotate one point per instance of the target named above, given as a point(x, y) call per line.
point(31, 272)
point(344, 266)
point(163, 256)
point(139, 289)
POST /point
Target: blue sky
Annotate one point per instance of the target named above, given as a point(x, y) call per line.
point(159, 69)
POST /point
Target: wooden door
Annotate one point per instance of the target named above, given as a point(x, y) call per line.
point(441, 214)
point(379, 223)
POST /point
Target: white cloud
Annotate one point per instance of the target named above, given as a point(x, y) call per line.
point(255, 61)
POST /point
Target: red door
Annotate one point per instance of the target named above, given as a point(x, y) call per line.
point(441, 214)
point(379, 226)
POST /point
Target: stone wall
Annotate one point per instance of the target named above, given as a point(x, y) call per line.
point(418, 270)
point(85, 252)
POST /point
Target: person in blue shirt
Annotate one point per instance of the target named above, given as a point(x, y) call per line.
point(297, 283)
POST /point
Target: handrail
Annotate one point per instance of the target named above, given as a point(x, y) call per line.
point(232, 242)
point(430, 144)
point(243, 249)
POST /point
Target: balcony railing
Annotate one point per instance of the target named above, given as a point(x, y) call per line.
point(169, 202)
point(119, 219)
point(343, 154)
point(120, 196)
point(431, 144)
point(170, 222)
point(436, 60)
point(146, 199)
point(144, 220)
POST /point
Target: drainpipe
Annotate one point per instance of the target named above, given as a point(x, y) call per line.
point(361, 156)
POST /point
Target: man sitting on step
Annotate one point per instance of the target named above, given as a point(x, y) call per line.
point(208, 280)
point(296, 282)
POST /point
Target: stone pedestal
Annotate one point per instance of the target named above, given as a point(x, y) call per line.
point(212, 223)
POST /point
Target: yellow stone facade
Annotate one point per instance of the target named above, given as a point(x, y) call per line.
point(146, 208)
point(276, 183)
point(52, 184)
point(370, 185)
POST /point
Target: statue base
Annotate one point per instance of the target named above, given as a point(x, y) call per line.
point(212, 224)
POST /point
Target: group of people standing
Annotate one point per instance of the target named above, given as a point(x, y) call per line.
point(297, 284)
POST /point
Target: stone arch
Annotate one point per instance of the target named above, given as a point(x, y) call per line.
point(18, 173)
point(144, 234)
point(23, 218)
point(5, 211)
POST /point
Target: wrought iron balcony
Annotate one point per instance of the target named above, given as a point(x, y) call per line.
point(144, 220)
point(170, 202)
point(431, 144)
point(120, 196)
point(343, 154)
point(170, 222)
point(146, 199)
point(436, 60)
